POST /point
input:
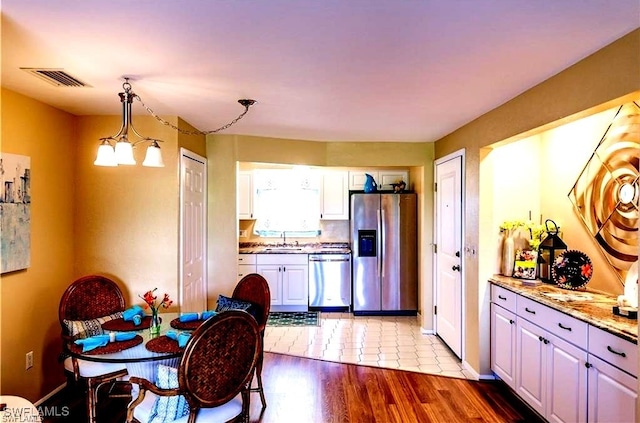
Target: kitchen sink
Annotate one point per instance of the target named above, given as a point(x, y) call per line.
point(287, 249)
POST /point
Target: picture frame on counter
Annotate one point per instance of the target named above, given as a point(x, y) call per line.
point(525, 264)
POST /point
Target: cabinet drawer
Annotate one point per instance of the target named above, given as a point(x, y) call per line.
point(246, 258)
point(282, 259)
point(504, 298)
point(245, 269)
point(566, 327)
point(617, 351)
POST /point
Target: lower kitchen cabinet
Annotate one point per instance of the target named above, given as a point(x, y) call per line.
point(565, 369)
point(288, 278)
point(503, 344)
point(612, 393)
point(246, 265)
point(551, 374)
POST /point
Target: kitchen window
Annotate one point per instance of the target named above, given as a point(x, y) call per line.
point(287, 201)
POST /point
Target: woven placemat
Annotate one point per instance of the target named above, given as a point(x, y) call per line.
point(163, 344)
point(192, 325)
point(121, 325)
point(111, 347)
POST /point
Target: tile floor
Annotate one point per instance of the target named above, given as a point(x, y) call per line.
point(381, 341)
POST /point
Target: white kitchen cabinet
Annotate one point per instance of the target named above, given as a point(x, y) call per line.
point(384, 178)
point(246, 265)
point(503, 344)
point(551, 374)
point(388, 177)
point(566, 397)
point(566, 369)
point(613, 368)
point(245, 193)
point(334, 195)
point(612, 393)
point(288, 278)
point(530, 364)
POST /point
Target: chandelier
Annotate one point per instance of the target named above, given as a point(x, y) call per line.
point(118, 149)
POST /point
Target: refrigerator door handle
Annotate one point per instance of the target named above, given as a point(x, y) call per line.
point(381, 241)
point(379, 246)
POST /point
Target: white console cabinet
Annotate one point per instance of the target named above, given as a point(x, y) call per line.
point(565, 369)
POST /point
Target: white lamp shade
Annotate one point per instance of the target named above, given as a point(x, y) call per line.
point(124, 153)
point(106, 155)
point(153, 157)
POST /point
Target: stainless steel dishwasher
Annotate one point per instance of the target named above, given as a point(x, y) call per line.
point(330, 281)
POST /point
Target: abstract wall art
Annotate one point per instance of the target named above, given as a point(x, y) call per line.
point(605, 196)
point(15, 212)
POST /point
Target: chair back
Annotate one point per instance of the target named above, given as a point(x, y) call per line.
point(255, 289)
point(218, 361)
point(90, 297)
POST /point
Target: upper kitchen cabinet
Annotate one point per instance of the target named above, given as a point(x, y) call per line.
point(245, 195)
point(334, 195)
point(384, 178)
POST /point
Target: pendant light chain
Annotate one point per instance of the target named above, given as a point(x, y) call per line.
point(245, 103)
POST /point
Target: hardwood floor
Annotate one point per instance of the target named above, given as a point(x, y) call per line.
point(305, 390)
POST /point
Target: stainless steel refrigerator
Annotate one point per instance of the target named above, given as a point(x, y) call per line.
point(384, 246)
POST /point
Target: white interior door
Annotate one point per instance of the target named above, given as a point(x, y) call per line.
point(448, 256)
point(193, 270)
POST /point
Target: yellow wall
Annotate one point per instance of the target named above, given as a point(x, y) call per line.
point(127, 216)
point(224, 151)
point(607, 78)
point(119, 222)
point(29, 298)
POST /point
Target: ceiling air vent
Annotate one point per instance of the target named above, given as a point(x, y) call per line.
point(57, 77)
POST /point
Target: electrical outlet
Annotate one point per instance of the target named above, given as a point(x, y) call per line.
point(243, 233)
point(29, 360)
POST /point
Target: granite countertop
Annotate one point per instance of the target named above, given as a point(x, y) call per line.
point(595, 307)
point(289, 248)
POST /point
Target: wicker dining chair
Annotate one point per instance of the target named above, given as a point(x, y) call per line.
point(85, 300)
point(214, 374)
point(254, 288)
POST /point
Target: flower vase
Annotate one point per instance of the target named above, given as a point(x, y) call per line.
point(154, 328)
point(508, 254)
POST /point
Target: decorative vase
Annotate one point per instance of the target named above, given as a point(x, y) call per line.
point(154, 328)
point(508, 254)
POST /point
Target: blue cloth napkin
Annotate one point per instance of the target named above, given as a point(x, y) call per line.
point(129, 313)
point(96, 341)
point(181, 337)
point(208, 313)
point(190, 317)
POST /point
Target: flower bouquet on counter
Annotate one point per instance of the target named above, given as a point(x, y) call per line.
point(151, 301)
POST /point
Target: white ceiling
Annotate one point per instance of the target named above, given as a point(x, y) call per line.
point(339, 70)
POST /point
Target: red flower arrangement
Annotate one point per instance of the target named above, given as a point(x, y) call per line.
point(150, 300)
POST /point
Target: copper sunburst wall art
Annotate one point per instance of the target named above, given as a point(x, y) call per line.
point(605, 195)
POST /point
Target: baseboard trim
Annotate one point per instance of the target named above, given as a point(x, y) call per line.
point(50, 394)
point(476, 375)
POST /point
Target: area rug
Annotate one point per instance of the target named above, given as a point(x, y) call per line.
point(293, 318)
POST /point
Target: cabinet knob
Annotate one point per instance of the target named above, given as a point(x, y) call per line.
point(456, 268)
point(511, 322)
point(588, 365)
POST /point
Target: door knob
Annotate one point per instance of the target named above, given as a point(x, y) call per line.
point(456, 268)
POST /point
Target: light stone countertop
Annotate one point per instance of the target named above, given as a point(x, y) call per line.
point(597, 311)
point(303, 248)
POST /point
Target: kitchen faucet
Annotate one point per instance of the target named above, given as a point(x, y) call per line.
point(284, 238)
